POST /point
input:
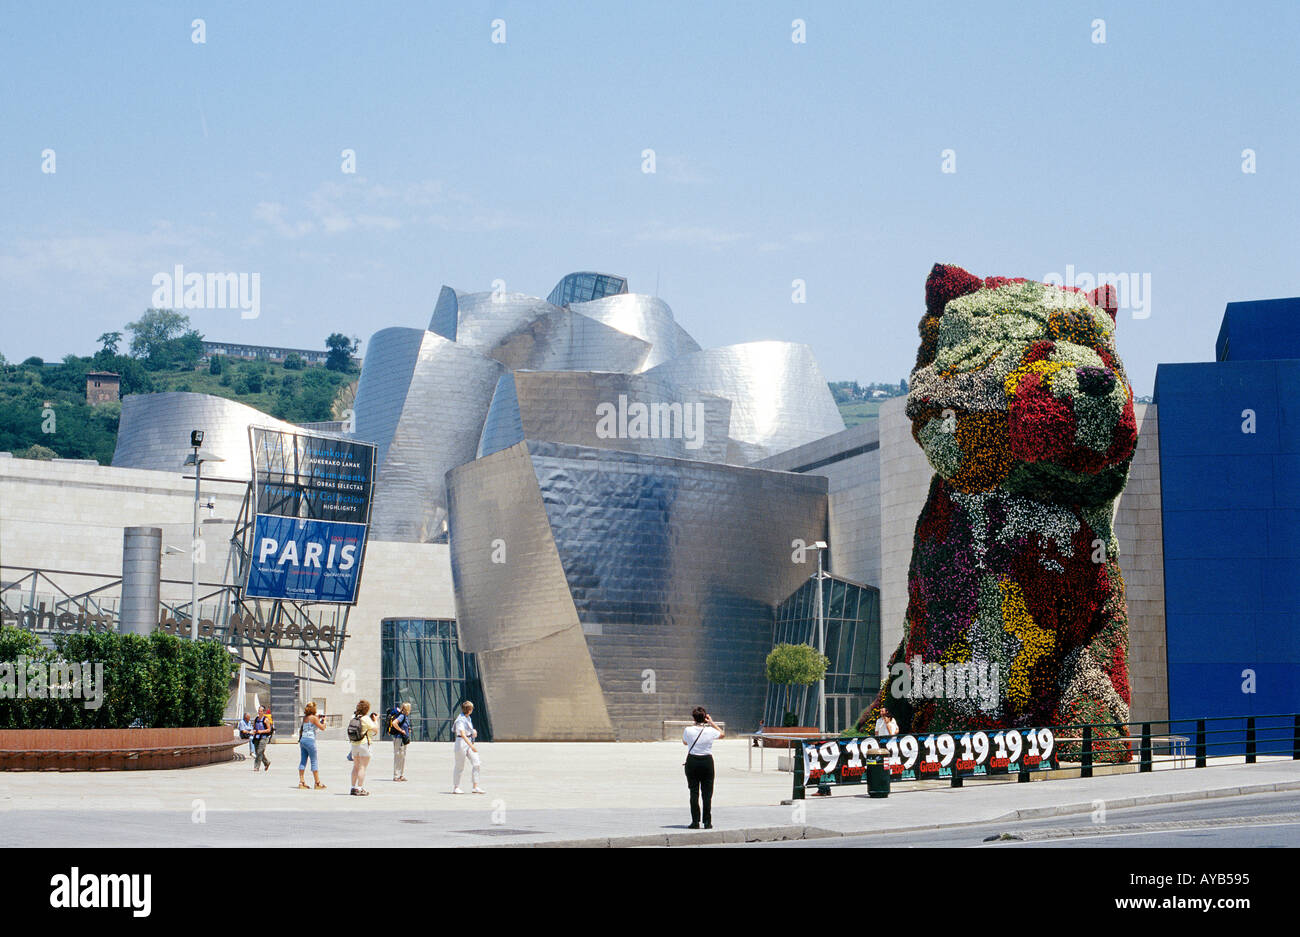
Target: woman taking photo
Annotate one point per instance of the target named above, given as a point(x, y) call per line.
point(307, 745)
point(699, 740)
point(363, 727)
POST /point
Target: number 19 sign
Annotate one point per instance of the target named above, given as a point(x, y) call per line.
point(941, 755)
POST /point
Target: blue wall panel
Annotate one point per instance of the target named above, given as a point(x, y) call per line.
point(1231, 516)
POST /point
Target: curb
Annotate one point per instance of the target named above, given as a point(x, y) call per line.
point(776, 834)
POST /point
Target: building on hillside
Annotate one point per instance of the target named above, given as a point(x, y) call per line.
point(102, 387)
point(265, 352)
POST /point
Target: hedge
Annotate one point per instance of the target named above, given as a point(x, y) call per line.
point(161, 680)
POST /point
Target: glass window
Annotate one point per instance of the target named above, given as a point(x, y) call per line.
point(421, 664)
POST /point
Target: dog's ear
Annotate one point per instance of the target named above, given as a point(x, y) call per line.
point(1105, 297)
point(945, 282)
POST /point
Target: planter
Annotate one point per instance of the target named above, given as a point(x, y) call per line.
point(809, 731)
point(115, 749)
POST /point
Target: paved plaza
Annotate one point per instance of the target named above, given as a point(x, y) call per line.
point(540, 793)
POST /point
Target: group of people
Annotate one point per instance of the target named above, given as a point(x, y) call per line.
point(258, 731)
point(363, 729)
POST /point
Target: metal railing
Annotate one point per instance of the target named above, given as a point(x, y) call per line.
point(1085, 747)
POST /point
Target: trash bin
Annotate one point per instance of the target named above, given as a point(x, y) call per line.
point(877, 778)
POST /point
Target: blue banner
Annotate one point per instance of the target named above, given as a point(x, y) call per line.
point(305, 560)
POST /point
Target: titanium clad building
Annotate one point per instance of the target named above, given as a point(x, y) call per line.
point(421, 400)
point(154, 432)
point(603, 591)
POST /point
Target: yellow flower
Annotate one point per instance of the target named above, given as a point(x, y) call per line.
point(1034, 641)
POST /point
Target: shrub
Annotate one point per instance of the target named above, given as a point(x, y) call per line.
point(161, 680)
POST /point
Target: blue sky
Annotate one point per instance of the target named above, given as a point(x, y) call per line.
point(522, 161)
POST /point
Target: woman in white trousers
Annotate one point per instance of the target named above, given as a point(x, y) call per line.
point(464, 733)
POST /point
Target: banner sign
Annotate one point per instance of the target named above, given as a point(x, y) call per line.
point(303, 560)
point(312, 496)
point(314, 477)
point(922, 757)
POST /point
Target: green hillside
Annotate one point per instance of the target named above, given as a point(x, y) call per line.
point(43, 411)
point(859, 411)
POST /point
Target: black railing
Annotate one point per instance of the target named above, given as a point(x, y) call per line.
point(1087, 745)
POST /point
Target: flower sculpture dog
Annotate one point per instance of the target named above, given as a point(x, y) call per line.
point(1016, 613)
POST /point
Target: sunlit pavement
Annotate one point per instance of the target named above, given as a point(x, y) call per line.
point(536, 793)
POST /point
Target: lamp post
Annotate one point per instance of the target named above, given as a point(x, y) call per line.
point(821, 642)
point(196, 459)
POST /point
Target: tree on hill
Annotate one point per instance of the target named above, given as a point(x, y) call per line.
point(109, 342)
point(163, 340)
point(35, 451)
point(341, 349)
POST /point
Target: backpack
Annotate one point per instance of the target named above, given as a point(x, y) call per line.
point(355, 732)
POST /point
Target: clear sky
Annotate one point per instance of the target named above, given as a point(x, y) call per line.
point(521, 161)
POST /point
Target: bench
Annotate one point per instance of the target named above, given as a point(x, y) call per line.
point(778, 737)
point(784, 737)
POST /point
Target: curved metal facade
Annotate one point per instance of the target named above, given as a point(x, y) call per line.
point(524, 332)
point(584, 576)
point(421, 400)
point(779, 395)
point(154, 432)
point(646, 317)
point(607, 410)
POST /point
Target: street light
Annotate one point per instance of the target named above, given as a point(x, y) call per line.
point(196, 459)
point(821, 642)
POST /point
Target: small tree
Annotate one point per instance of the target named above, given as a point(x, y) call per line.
point(790, 665)
point(37, 451)
point(214, 364)
point(293, 362)
point(341, 349)
point(109, 342)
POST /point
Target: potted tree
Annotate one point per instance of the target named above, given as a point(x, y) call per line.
point(788, 666)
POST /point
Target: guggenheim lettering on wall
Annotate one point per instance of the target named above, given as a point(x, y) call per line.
point(313, 498)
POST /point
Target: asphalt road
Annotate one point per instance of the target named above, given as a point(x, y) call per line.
point(1256, 820)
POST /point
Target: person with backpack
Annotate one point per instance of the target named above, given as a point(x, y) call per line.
point(399, 727)
point(307, 745)
point(363, 726)
point(263, 728)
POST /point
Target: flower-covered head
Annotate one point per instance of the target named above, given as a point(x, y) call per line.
point(1018, 385)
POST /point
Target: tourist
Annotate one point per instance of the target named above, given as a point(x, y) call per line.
point(400, 728)
point(886, 725)
point(699, 765)
point(307, 745)
point(363, 727)
point(246, 731)
point(263, 726)
point(464, 733)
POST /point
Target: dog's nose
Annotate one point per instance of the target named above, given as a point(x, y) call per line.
point(1096, 382)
